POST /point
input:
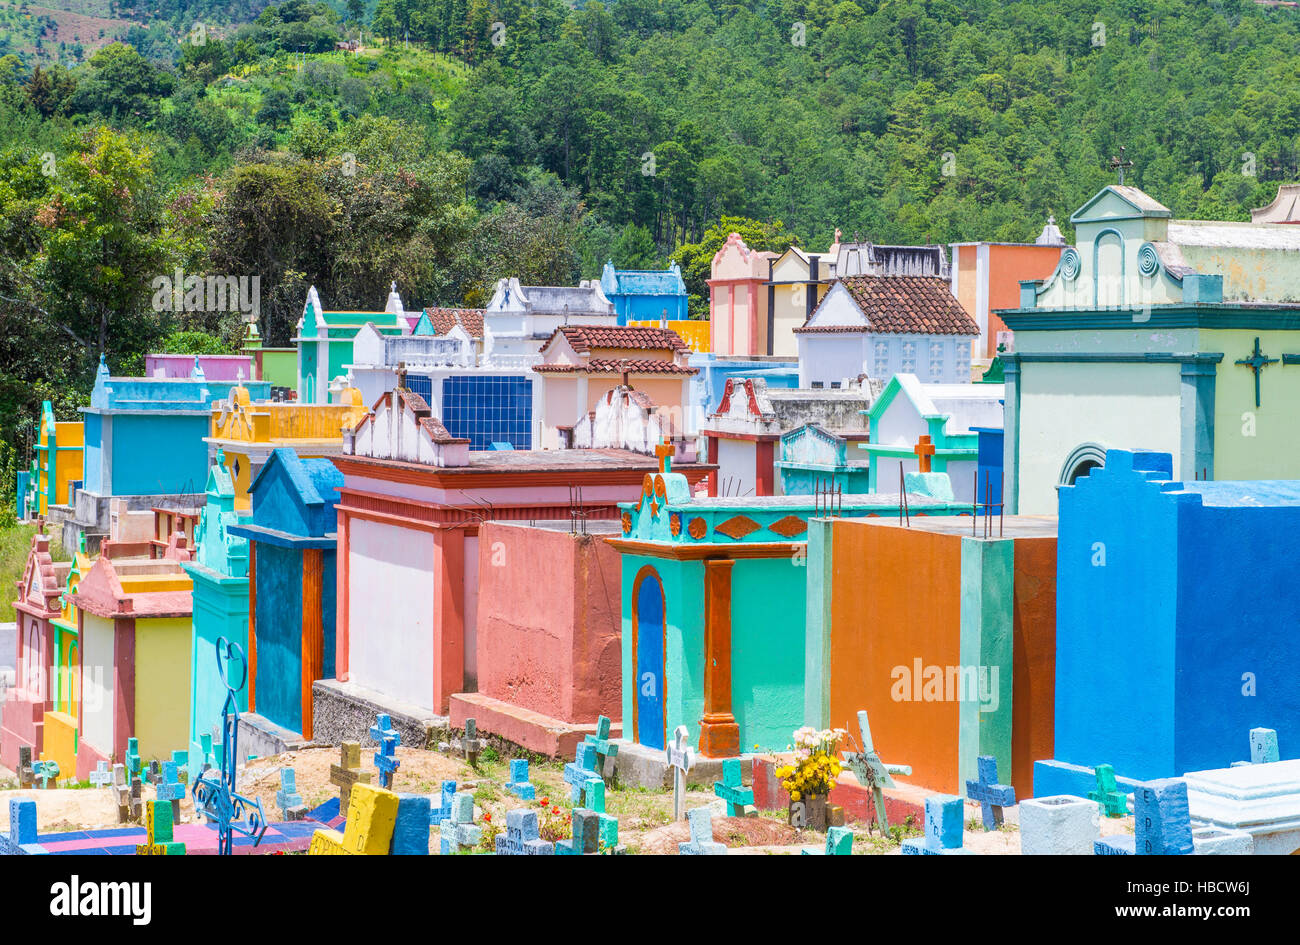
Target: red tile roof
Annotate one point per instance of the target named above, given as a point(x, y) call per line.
point(618, 366)
point(442, 319)
point(911, 305)
point(582, 338)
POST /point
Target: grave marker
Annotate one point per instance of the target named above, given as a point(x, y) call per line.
point(606, 750)
point(701, 842)
point(519, 784)
point(440, 813)
point(459, 832)
point(45, 771)
point(991, 795)
point(170, 788)
point(839, 841)
point(101, 776)
point(1161, 820)
point(944, 815)
point(411, 831)
point(586, 834)
point(158, 825)
point(469, 744)
point(132, 758)
point(872, 773)
point(593, 793)
point(680, 758)
point(522, 836)
point(372, 815)
point(1111, 801)
point(287, 798)
point(21, 839)
point(347, 772)
point(25, 777)
point(1263, 747)
point(581, 770)
point(388, 739)
point(1061, 825)
point(181, 759)
point(732, 790)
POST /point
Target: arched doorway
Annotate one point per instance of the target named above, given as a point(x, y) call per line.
point(649, 644)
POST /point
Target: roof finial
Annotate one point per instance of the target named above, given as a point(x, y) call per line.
point(1118, 164)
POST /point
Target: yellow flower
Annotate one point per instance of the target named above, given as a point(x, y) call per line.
point(794, 795)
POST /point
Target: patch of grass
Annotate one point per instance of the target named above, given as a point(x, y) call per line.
point(15, 542)
point(486, 792)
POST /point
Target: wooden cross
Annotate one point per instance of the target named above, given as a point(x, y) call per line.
point(665, 452)
point(680, 758)
point(991, 795)
point(872, 773)
point(348, 772)
point(1256, 361)
point(924, 449)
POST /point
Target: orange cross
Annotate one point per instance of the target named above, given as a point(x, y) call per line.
point(665, 452)
point(924, 450)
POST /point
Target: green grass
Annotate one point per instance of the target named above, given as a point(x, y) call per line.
point(15, 542)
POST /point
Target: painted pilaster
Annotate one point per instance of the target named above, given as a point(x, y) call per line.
point(448, 616)
point(987, 621)
point(313, 631)
point(719, 733)
point(252, 627)
point(123, 683)
point(817, 641)
point(1196, 457)
point(1011, 434)
point(344, 612)
point(764, 468)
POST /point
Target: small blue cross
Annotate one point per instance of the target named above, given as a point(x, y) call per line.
point(386, 758)
point(519, 784)
point(991, 795)
point(581, 770)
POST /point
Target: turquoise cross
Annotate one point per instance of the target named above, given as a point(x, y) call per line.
point(1256, 361)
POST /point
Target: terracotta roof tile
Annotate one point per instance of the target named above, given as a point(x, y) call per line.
point(442, 319)
point(618, 366)
point(912, 305)
point(582, 338)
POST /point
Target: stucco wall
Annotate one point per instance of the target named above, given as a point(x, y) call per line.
point(162, 685)
point(548, 622)
point(1065, 405)
point(391, 600)
point(98, 681)
point(736, 467)
point(1254, 442)
point(279, 635)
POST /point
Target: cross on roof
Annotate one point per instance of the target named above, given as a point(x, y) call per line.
point(665, 452)
point(1118, 164)
point(1256, 361)
point(924, 449)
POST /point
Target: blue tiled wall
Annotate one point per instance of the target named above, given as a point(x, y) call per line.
point(488, 410)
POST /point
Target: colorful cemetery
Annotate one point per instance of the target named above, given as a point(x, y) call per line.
point(58, 468)
point(276, 366)
point(324, 342)
point(292, 555)
point(713, 602)
point(1191, 341)
point(649, 296)
point(144, 443)
point(245, 434)
point(412, 504)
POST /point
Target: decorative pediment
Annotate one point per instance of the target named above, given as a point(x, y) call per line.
point(814, 445)
point(401, 426)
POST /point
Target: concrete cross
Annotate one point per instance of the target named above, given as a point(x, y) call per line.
point(388, 739)
point(1111, 801)
point(469, 744)
point(605, 747)
point(732, 789)
point(581, 770)
point(287, 798)
point(701, 842)
point(593, 794)
point(586, 834)
point(132, 758)
point(680, 758)
point(872, 773)
point(25, 778)
point(21, 838)
point(45, 772)
point(459, 831)
point(991, 795)
point(665, 452)
point(170, 788)
point(348, 772)
point(519, 784)
point(158, 825)
point(101, 776)
point(443, 810)
point(522, 836)
point(924, 449)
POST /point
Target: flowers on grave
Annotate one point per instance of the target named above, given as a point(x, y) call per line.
point(488, 839)
point(553, 824)
point(816, 763)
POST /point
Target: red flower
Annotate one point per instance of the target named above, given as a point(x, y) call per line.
point(488, 818)
point(545, 801)
point(555, 810)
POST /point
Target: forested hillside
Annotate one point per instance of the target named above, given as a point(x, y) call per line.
point(467, 140)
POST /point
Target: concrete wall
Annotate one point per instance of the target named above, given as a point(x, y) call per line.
point(548, 634)
point(98, 682)
point(162, 685)
point(1253, 442)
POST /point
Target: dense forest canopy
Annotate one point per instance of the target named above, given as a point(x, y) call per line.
point(468, 140)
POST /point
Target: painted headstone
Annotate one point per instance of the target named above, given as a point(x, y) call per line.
point(1263, 747)
point(1110, 800)
point(872, 773)
point(943, 828)
point(440, 813)
point(158, 826)
point(411, 831)
point(287, 798)
point(169, 788)
point(733, 791)
point(593, 794)
point(347, 772)
point(459, 832)
point(680, 758)
point(519, 784)
point(388, 738)
point(1161, 821)
point(586, 834)
point(839, 841)
point(372, 815)
point(606, 749)
point(25, 777)
point(132, 758)
point(181, 759)
point(581, 770)
point(101, 776)
point(991, 795)
point(522, 836)
point(46, 772)
point(21, 839)
point(701, 842)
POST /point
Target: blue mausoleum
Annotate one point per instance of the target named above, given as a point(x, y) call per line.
point(645, 294)
point(1176, 612)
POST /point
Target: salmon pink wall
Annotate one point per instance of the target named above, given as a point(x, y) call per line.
point(1033, 712)
point(549, 622)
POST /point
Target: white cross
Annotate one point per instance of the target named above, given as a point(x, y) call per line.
point(680, 758)
point(101, 776)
